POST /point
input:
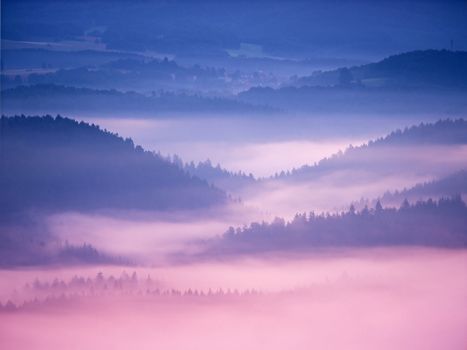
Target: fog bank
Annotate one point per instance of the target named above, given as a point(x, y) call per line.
point(356, 299)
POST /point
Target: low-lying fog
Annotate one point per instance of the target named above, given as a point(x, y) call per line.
point(265, 146)
point(353, 299)
point(258, 144)
point(147, 237)
point(366, 177)
point(391, 298)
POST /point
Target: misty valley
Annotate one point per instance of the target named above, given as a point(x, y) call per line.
point(233, 175)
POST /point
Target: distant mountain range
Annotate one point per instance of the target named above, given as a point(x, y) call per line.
point(418, 82)
point(414, 82)
point(59, 164)
point(415, 69)
point(55, 99)
point(369, 102)
point(132, 72)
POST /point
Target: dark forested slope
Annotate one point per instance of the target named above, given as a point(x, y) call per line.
point(59, 163)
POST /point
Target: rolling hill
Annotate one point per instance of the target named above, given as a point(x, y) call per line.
point(424, 82)
point(60, 164)
point(415, 69)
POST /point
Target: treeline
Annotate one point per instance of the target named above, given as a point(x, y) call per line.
point(442, 132)
point(59, 293)
point(99, 282)
point(51, 98)
point(25, 240)
point(126, 283)
point(359, 99)
point(440, 223)
point(19, 249)
point(450, 185)
point(214, 174)
point(163, 295)
point(135, 74)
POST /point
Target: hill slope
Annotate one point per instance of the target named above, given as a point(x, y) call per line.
point(422, 69)
point(58, 163)
point(451, 185)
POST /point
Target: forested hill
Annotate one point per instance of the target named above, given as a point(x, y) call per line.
point(386, 154)
point(415, 82)
point(453, 184)
point(58, 163)
point(440, 223)
point(421, 69)
point(443, 132)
